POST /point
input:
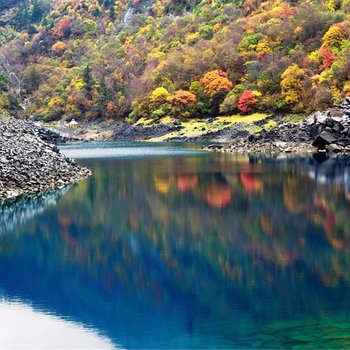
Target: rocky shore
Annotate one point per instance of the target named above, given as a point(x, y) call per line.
point(326, 131)
point(138, 132)
point(28, 164)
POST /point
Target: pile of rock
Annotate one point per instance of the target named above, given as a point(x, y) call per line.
point(331, 128)
point(28, 164)
point(326, 131)
point(51, 136)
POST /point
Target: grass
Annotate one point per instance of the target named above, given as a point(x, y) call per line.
point(269, 125)
point(197, 127)
point(293, 118)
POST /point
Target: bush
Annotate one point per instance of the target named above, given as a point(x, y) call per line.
point(229, 105)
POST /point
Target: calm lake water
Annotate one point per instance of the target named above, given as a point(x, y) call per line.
point(168, 247)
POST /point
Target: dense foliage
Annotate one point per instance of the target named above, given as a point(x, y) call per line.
point(125, 59)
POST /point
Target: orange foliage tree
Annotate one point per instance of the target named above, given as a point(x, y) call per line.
point(59, 47)
point(215, 81)
point(183, 98)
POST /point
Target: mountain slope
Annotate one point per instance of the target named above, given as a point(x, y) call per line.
point(125, 59)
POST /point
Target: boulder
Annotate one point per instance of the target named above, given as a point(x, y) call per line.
point(334, 148)
point(324, 139)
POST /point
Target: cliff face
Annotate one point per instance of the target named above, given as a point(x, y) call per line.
point(10, 89)
point(6, 71)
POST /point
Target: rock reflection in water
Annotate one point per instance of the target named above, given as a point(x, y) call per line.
point(200, 251)
point(17, 211)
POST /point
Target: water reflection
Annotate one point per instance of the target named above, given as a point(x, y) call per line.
point(21, 327)
point(17, 211)
point(203, 251)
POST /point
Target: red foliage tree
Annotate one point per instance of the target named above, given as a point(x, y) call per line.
point(63, 28)
point(328, 57)
point(247, 101)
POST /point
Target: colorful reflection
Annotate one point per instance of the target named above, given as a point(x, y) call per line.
point(197, 251)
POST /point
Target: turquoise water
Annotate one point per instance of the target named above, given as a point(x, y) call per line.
point(170, 247)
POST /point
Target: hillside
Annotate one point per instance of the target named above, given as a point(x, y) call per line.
point(121, 59)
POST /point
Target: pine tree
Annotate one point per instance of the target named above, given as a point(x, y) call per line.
point(36, 12)
point(112, 10)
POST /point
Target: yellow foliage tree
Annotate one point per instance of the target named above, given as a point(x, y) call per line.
point(59, 47)
point(335, 36)
point(333, 5)
point(292, 84)
point(346, 88)
point(159, 96)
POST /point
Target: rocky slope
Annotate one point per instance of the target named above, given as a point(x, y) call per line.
point(323, 131)
point(28, 164)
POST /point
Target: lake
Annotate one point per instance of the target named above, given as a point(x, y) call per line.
point(166, 246)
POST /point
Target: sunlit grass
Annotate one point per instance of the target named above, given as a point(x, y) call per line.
point(196, 127)
point(238, 118)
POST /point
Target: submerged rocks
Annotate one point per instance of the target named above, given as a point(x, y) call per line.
point(28, 164)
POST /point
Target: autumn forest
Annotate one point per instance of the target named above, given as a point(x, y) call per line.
point(122, 59)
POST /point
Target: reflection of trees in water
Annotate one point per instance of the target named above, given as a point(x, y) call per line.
point(16, 212)
point(212, 232)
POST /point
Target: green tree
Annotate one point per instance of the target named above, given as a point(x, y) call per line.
point(36, 12)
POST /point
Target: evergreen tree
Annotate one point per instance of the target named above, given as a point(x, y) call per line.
point(112, 10)
point(36, 12)
point(87, 80)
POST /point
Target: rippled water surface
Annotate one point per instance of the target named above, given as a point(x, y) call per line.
point(169, 247)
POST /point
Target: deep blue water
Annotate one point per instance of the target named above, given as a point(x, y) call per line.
point(169, 247)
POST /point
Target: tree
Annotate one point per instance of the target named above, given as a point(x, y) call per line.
point(63, 28)
point(292, 84)
point(89, 26)
point(36, 12)
point(32, 79)
point(328, 57)
point(87, 78)
point(112, 10)
point(206, 32)
point(183, 98)
point(215, 81)
point(335, 36)
point(159, 96)
point(248, 101)
point(59, 47)
point(229, 104)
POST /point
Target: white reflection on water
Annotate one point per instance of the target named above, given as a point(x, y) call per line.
point(23, 327)
point(121, 150)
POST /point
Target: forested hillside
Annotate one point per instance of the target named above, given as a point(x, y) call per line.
point(123, 59)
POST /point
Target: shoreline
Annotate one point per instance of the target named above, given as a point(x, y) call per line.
point(324, 131)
